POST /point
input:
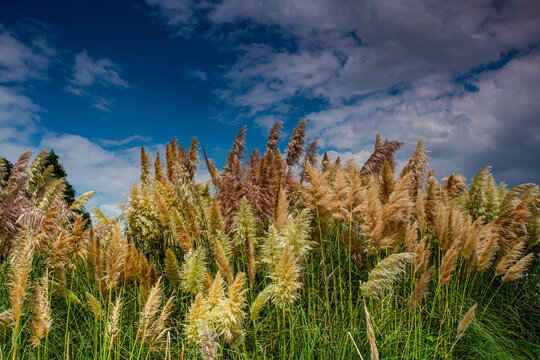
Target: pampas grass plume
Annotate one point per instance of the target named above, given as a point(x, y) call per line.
point(384, 274)
point(192, 271)
point(516, 271)
point(172, 270)
point(41, 317)
point(197, 311)
point(259, 303)
point(285, 279)
point(207, 344)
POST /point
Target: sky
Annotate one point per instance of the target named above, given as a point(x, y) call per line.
point(95, 80)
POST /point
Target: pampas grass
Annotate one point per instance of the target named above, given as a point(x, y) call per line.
point(262, 220)
point(517, 270)
point(41, 313)
point(192, 271)
point(172, 270)
point(384, 274)
point(285, 280)
point(231, 311)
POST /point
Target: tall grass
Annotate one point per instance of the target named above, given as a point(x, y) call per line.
point(284, 257)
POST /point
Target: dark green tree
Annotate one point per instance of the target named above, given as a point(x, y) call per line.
point(59, 172)
point(7, 170)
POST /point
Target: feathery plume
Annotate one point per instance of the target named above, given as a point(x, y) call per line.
point(421, 289)
point(378, 142)
point(113, 325)
point(222, 259)
point(21, 262)
point(466, 321)
point(152, 325)
point(41, 316)
point(146, 163)
point(197, 311)
point(316, 192)
point(94, 305)
point(77, 237)
point(383, 153)
point(387, 182)
point(180, 233)
point(131, 269)
point(297, 142)
point(80, 202)
point(172, 270)
point(158, 168)
point(448, 264)
point(273, 137)
point(386, 272)
point(236, 155)
point(244, 224)
point(216, 292)
point(455, 185)
point(17, 175)
point(411, 235)
point(115, 256)
point(421, 257)
point(216, 220)
point(512, 223)
point(487, 249)
point(296, 233)
point(417, 166)
point(421, 211)
point(285, 280)
point(231, 310)
point(192, 271)
point(207, 344)
point(271, 248)
point(511, 199)
point(250, 260)
point(516, 271)
point(309, 157)
point(52, 194)
point(282, 208)
point(371, 335)
point(165, 216)
point(259, 303)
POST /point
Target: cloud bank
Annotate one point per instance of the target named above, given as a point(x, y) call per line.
point(458, 74)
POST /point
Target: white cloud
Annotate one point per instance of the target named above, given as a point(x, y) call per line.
point(89, 165)
point(87, 72)
point(343, 49)
point(349, 54)
point(21, 62)
point(463, 130)
point(109, 142)
point(197, 74)
point(91, 77)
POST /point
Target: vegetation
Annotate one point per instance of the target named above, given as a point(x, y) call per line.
point(284, 257)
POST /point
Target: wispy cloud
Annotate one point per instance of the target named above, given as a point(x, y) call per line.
point(196, 74)
point(89, 74)
point(109, 142)
point(20, 62)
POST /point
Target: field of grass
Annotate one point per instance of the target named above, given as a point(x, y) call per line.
point(280, 256)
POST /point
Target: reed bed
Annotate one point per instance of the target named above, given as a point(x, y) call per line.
point(281, 255)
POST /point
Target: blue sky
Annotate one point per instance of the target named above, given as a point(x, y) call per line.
point(95, 80)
